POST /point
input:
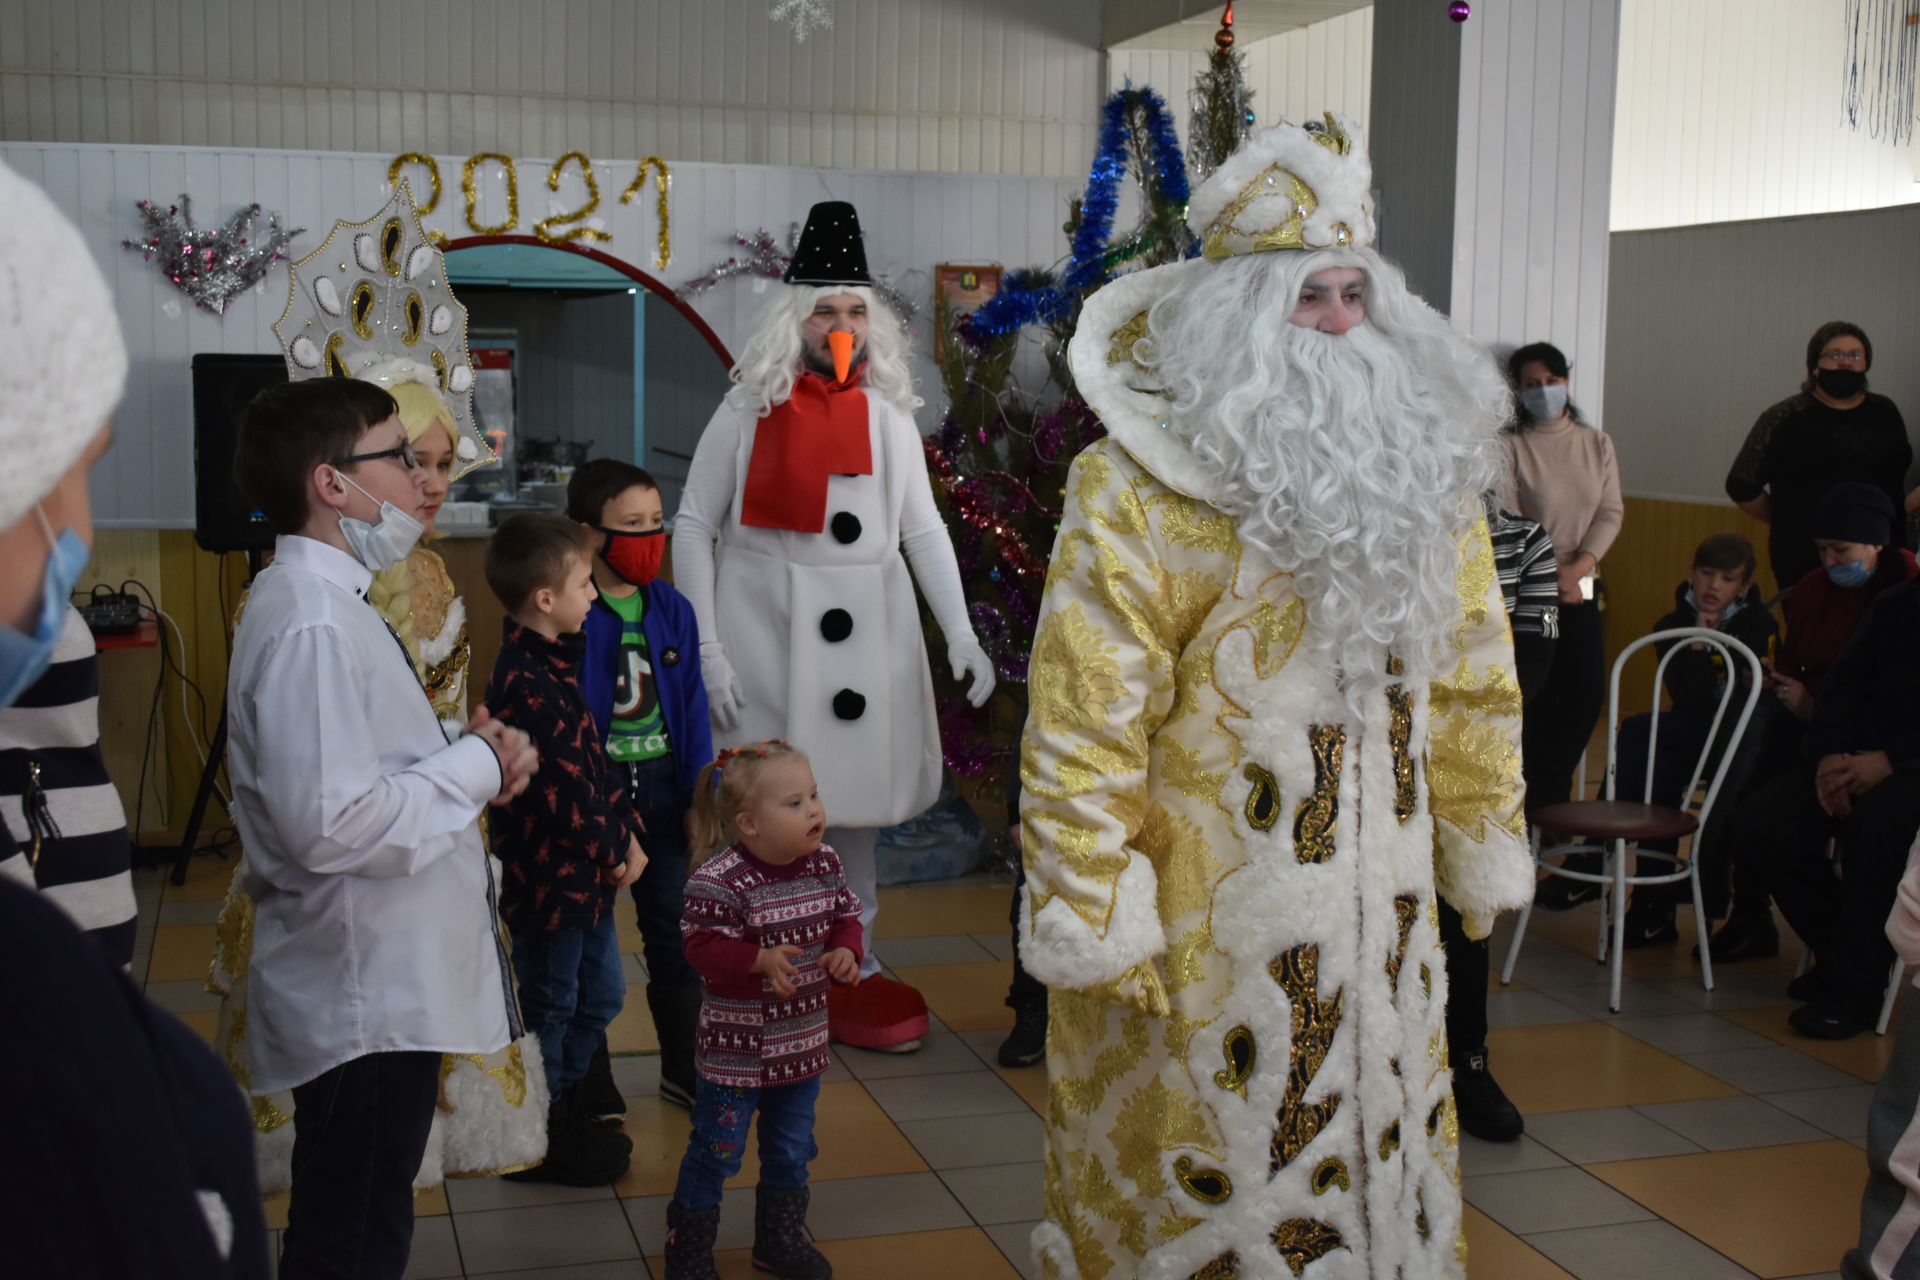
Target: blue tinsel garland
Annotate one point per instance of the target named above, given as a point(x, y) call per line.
point(1035, 297)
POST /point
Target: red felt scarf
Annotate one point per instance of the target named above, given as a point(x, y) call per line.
point(820, 431)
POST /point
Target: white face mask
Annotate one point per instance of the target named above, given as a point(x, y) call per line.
point(380, 546)
point(1547, 403)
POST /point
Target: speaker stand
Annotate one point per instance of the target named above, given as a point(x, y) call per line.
point(209, 772)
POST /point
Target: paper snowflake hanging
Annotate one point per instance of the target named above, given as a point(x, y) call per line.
point(803, 15)
point(211, 267)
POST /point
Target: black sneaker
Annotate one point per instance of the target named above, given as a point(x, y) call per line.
point(1026, 1044)
point(1805, 988)
point(1485, 1110)
point(579, 1153)
point(1649, 924)
point(1745, 936)
point(1836, 1015)
point(1557, 893)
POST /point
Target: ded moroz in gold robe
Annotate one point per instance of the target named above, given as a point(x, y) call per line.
point(1231, 889)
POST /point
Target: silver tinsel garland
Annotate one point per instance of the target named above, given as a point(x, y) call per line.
point(211, 267)
point(803, 15)
point(765, 259)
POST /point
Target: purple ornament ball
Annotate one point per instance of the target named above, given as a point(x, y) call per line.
point(1459, 10)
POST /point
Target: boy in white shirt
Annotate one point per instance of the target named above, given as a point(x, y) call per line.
point(376, 946)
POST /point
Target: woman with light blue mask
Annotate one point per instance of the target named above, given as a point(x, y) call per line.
point(116, 1102)
point(1565, 476)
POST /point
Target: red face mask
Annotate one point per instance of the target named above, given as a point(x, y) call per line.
point(634, 556)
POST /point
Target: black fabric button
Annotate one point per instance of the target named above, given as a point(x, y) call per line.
point(836, 625)
point(846, 527)
point(849, 705)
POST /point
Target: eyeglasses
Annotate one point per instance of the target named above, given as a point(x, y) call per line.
point(1845, 357)
point(402, 451)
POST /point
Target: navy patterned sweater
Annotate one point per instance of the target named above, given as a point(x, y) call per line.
point(573, 821)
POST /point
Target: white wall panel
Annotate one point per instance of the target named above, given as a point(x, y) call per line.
point(912, 221)
point(1732, 109)
point(1531, 200)
point(910, 84)
point(1296, 76)
point(1683, 394)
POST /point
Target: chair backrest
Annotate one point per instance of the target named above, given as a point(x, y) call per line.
point(1732, 654)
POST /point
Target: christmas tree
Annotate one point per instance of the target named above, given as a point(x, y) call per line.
point(1000, 457)
point(1221, 103)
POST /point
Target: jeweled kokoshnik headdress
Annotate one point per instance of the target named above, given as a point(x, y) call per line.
point(373, 302)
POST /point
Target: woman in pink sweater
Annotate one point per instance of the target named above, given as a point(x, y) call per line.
point(1566, 477)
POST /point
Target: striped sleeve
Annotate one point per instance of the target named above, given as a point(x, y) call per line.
point(50, 757)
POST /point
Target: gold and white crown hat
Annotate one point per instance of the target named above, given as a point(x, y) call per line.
point(373, 302)
point(1287, 188)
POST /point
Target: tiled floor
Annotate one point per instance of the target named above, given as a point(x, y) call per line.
point(1690, 1136)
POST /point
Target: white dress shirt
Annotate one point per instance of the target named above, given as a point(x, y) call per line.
point(374, 905)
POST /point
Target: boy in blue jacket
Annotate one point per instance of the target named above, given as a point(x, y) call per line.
point(641, 675)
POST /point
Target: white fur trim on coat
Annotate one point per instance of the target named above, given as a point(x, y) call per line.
point(1062, 950)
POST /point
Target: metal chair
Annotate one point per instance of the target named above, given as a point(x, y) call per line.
point(1608, 825)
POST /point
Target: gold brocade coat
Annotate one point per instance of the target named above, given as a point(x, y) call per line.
point(1231, 892)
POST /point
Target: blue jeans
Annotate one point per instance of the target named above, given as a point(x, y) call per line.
point(721, 1114)
point(662, 805)
point(571, 987)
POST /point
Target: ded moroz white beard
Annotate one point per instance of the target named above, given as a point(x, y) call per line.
point(1353, 460)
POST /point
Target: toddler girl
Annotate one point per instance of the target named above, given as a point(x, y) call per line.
point(768, 920)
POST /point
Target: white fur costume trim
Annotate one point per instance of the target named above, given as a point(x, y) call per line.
point(1063, 950)
point(489, 1135)
point(1342, 187)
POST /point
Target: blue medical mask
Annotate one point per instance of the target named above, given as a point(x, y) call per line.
point(1545, 404)
point(1726, 614)
point(24, 658)
point(1854, 573)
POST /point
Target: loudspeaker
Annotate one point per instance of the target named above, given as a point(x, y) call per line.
point(223, 385)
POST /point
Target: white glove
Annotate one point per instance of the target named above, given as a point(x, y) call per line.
point(724, 698)
point(970, 663)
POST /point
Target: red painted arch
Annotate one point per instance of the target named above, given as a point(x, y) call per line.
point(656, 287)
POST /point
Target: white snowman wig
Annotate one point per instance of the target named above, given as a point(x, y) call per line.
point(771, 359)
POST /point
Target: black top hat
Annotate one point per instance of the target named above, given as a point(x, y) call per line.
point(830, 249)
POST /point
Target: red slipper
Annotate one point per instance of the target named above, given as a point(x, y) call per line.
point(880, 1014)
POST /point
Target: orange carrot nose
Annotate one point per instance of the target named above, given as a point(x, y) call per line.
point(840, 342)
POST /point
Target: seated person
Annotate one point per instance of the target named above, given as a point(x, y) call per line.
point(1851, 526)
point(1719, 594)
point(1864, 791)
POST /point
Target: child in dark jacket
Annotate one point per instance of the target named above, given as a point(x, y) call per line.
point(569, 842)
point(769, 924)
point(1719, 594)
point(641, 675)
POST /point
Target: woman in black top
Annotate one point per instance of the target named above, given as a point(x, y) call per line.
point(1833, 431)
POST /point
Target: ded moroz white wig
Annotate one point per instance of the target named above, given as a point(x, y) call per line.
point(771, 359)
point(1355, 459)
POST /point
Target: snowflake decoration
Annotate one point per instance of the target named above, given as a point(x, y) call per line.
point(803, 15)
point(211, 267)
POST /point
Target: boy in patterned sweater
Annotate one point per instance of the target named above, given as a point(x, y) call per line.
point(769, 922)
point(567, 844)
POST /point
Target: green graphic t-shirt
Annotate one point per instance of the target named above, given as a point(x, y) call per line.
point(638, 730)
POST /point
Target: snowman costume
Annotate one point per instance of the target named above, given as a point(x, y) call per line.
point(789, 544)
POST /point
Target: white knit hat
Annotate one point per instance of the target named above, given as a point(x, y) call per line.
point(63, 365)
